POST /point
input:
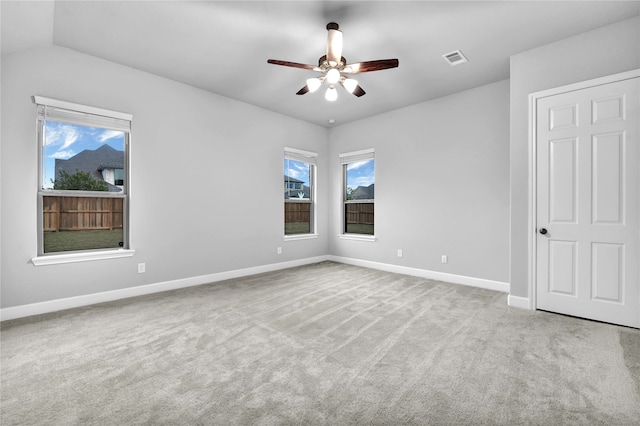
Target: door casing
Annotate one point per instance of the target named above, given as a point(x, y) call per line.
point(533, 166)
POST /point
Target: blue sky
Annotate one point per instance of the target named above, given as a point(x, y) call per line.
point(360, 173)
point(64, 140)
point(297, 170)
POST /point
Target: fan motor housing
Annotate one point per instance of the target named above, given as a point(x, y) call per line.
point(322, 62)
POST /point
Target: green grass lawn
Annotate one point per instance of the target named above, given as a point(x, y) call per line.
point(101, 239)
point(82, 240)
point(359, 228)
point(293, 228)
point(303, 228)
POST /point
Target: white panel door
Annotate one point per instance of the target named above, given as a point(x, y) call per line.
point(588, 207)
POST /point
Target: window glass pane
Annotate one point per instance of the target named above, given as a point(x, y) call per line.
point(359, 185)
point(297, 218)
point(360, 180)
point(119, 176)
point(358, 218)
point(296, 179)
point(297, 196)
point(82, 223)
point(76, 157)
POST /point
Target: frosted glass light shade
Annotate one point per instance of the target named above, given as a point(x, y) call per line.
point(313, 84)
point(331, 94)
point(350, 84)
point(333, 76)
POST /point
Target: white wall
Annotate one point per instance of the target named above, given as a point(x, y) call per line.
point(442, 184)
point(206, 178)
point(444, 163)
point(443, 171)
point(608, 50)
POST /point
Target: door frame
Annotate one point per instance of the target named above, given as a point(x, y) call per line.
point(533, 167)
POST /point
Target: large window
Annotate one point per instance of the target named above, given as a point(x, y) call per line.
point(299, 192)
point(83, 178)
point(358, 192)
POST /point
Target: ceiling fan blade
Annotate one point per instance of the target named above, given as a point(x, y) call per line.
point(359, 91)
point(302, 91)
point(334, 44)
point(291, 64)
point(368, 66)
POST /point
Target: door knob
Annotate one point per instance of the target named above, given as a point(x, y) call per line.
point(543, 231)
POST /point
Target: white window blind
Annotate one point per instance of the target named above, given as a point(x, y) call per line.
point(300, 155)
point(56, 110)
point(350, 157)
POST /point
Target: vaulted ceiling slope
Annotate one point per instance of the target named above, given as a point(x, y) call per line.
point(223, 46)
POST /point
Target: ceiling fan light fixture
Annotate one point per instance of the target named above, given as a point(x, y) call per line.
point(350, 84)
point(333, 66)
point(331, 93)
point(314, 84)
point(333, 76)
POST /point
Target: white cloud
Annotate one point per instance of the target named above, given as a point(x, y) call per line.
point(357, 164)
point(109, 134)
point(65, 135)
point(297, 169)
point(53, 135)
point(293, 173)
point(62, 155)
point(71, 135)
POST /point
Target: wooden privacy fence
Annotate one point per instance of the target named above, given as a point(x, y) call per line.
point(81, 213)
point(295, 212)
point(361, 213)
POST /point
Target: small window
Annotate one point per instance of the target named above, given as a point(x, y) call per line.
point(83, 191)
point(299, 192)
point(358, 192)
point(119, 177)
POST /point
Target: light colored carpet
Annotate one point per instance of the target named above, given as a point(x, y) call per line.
point(318, 345)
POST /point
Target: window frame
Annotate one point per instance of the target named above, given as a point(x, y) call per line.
point(345, 159)
point(72, 113)
point(310, 158)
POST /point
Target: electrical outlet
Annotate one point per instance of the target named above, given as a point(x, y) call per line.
point(399, 252)
point(279, 250)
point(142, 268)
point(444, 258)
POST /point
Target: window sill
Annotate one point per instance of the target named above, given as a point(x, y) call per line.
point(55, 259)
point(357, 237)
point(300, 237)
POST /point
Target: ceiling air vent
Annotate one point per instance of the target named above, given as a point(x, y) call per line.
point(455, 58)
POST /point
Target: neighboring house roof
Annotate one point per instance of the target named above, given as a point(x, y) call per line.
point(93, 162)
point(101, 167)
point(293, 193)
point(290, 179)
point(364, 192)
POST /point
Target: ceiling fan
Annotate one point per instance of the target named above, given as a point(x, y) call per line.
point(333, 65)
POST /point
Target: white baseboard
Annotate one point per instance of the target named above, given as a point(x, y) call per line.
point(519, 302)
point(108, 296)
point(423, 273)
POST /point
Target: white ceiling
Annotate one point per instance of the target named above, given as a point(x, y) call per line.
point(223, 46)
